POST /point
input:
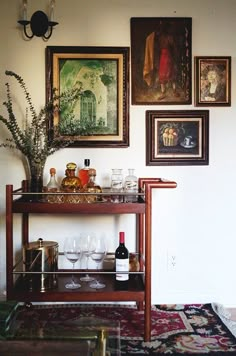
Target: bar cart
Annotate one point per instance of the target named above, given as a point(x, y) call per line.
point(139, 291)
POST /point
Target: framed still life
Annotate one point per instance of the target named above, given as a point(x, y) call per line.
point(100, 117)
point(177, 137)
point(212, 81)
point(161, 59)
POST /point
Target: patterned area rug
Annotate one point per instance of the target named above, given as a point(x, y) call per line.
point(176, 329)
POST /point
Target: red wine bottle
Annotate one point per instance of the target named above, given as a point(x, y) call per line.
point(122, 264)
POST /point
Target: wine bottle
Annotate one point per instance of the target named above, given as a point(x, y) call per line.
point(122, 264)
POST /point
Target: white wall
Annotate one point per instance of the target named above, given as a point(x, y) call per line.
point(195, 222)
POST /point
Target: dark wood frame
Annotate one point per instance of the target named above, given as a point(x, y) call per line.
point(222, 69)
point(118, 115)
point(145, 34)
point(186, 144)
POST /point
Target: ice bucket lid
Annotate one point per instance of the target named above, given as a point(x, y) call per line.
point(40, 244)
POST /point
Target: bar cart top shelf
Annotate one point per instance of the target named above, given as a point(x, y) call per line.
point(25, 202)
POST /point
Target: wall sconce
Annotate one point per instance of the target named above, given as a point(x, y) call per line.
point(39, 23)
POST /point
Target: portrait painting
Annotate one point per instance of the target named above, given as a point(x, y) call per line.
point(177, 137)
point(212, 81)
point(100, 116)
point(161, 57)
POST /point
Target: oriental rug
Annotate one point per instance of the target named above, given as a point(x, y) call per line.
point(195, 329)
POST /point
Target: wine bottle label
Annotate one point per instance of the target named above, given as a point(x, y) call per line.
point(122, 265)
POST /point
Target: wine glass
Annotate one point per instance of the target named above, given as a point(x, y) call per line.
point(72, 251)
point(98, 256)
point(88, 244)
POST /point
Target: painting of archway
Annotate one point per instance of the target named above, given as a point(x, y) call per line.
point(100, 114)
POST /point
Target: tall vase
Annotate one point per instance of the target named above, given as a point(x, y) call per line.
point(36, 169)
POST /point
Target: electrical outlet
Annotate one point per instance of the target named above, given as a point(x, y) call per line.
point(171, 261)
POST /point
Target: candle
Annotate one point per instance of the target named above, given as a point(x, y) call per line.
point(52, 10)
point(25, 10)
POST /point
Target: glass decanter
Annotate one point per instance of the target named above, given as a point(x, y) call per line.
point(131, 186)
point(117, 185)
point(71, 184)
point(92, 187)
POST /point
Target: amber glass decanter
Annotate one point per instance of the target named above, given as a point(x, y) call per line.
point(92, 187)
point(71, 184)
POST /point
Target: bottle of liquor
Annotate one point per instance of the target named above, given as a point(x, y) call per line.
point(83, 172)
point(71, 184)
point(122, 264)
point(92, 187)
point(131, 186)
point(52, 185)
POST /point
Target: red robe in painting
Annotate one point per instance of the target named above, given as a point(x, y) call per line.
point(159, 61)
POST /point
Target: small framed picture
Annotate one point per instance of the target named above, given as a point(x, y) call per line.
point(177, 137)
point(212, 81)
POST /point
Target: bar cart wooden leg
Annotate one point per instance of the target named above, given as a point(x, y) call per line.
point(148, 224)
point(140, 306)
point(9, 241)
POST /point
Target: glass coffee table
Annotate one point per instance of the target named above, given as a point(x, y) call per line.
point(85, 335)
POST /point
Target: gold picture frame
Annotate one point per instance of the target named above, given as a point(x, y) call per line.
point(100, 118)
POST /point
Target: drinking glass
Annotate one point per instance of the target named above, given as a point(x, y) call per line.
point(88, 244)
point(72, 251)
point(98, 256)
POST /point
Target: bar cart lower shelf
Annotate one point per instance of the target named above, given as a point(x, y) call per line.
point(139, 289)
point(135, 291)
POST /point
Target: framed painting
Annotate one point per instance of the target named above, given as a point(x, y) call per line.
point(177, 138)
point(212, 81)
point(100, 117)
point(161, 59)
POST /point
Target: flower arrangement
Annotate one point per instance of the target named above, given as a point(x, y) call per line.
point(35, 141)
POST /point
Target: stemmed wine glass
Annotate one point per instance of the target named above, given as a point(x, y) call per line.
point(72, 251)
point(98, 256)
point(88, 244)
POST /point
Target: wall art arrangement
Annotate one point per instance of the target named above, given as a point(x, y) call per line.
point(177, 137)
point(212, 81)
point(100, 118)
point(161, 57)
point(161, 74)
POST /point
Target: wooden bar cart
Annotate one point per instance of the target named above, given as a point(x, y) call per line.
point(139, 291)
